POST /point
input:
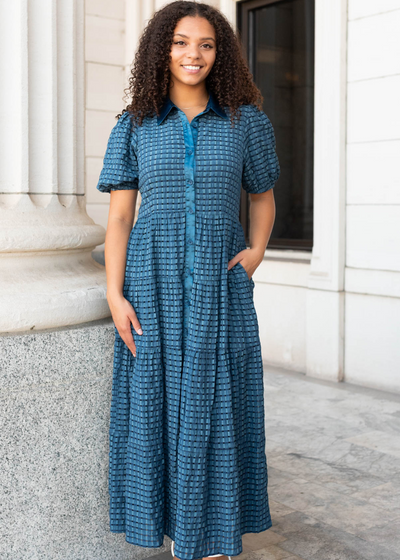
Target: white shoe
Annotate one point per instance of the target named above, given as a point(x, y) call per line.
point(211, 556)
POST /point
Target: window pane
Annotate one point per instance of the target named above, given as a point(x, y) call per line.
point(282, 61)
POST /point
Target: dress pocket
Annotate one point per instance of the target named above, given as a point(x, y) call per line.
point(244, 274)
point(242, 316)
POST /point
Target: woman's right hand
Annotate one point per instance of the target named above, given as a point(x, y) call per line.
point(123, 315)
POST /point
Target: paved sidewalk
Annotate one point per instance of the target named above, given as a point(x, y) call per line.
point(333, 452)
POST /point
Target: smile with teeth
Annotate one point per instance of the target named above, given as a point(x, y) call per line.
point(191, 68)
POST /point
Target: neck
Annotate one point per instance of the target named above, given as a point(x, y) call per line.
point(184, 95)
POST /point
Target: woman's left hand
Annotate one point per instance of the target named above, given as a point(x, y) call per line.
point(250, 259)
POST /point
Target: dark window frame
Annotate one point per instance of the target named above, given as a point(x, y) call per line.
point(245, 22)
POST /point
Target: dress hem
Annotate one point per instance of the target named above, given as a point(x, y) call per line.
point(166, 534)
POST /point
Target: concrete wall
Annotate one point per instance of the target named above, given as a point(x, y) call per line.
point(372, 274)
point(371, 215)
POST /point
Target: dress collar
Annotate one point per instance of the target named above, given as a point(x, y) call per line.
point(212, 104)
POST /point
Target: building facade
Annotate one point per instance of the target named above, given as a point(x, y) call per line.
point(327, 292)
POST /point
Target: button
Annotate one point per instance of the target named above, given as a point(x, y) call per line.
point(187, 269)
point(190, 181)
point(194, 124)
point(190, 241)
point(191, 211)
point(190, 151)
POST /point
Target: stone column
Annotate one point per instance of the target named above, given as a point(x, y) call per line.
point(48, 277)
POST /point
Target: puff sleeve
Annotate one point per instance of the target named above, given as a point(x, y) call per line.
point(120, 167)
point(261, 167)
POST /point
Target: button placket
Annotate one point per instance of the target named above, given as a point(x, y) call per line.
point(190, 135)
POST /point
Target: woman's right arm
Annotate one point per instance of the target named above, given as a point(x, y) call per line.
point(120, 221)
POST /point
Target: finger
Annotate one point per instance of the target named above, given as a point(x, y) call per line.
point(135, 322)
point(130, 343)
point(126, 335)
point(232, 262)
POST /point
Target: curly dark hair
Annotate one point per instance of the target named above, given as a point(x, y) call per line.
point(230, 79)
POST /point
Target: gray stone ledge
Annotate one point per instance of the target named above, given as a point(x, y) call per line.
point(75, 353)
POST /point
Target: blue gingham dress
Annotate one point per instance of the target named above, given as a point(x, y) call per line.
point(187, 441)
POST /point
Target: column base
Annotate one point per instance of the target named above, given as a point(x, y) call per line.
point(41, 291)
point(48, 276)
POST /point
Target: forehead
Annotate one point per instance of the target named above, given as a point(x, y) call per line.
point(195, 28)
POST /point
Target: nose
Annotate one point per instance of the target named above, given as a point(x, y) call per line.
point(193, 52)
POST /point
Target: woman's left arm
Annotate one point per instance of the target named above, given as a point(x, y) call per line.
point(262, 218)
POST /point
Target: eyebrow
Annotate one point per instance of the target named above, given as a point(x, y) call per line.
point(201, 38)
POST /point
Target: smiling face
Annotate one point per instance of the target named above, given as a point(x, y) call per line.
point(193, 50)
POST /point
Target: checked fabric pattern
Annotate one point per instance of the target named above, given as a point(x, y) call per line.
point(187, 438)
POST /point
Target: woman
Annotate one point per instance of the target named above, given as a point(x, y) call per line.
point(187, 441)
